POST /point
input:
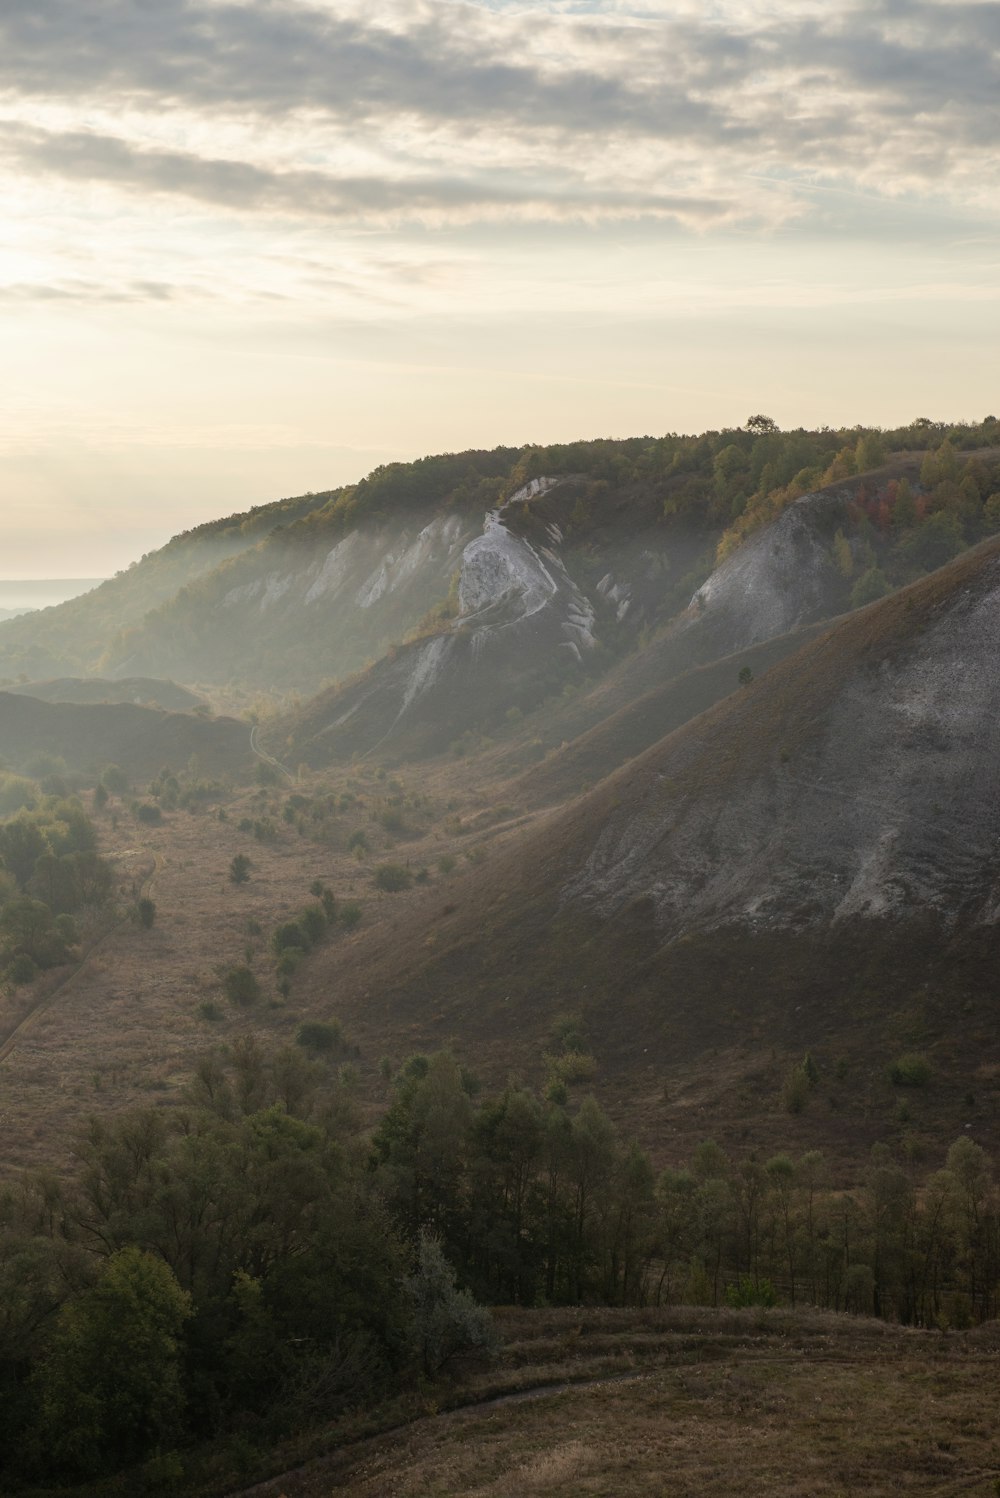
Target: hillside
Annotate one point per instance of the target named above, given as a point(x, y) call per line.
point(619, 535)
point(141, 690)
point(73, 638)
point(809, 865)
point(87, 737)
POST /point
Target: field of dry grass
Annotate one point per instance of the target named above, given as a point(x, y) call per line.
point(697, 1404)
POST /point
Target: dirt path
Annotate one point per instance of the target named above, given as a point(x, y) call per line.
point(324, 1467)
point(269, 759)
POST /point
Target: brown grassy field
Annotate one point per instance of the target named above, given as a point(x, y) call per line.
point(692, 1403)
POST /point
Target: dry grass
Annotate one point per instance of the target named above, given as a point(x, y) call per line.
point(715, 1404)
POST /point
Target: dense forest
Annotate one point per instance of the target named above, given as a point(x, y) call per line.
point(234, 1269)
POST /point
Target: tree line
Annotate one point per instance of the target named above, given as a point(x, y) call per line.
point(249, 1263)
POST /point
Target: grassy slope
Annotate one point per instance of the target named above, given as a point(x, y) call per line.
point(694, 1403)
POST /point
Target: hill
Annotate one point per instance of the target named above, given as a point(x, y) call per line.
point(309, 591)
point(141, 690)
point(809, 865)
point(139, 739)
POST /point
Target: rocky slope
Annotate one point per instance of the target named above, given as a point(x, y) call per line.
point(862, 778)
point(817, 856)
point(532, 617)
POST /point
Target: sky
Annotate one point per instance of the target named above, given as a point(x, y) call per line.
point(256, 247)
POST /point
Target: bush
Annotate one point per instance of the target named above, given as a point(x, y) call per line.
point(746, 1293)
point(241, 986)
point(313, 923)
point(350, 915)
point(145, 912)
point(22, 969)
point(115, 780)
point(147, 813)
point(911, 1070)
point(795, 1093)
point(239, 869)
point(392, 877)
point(289, 934)
point(316, 1036)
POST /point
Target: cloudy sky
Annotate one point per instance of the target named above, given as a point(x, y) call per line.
point(254, 247)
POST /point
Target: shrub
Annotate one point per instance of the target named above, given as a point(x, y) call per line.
point(392, 877)
point(209, 1010)
point(316, 1036)
point(22, 969)
point(446, 863)
point(145, 912)
point(911, 1070)
point(795, 1093)
point(289, 934)
point(241, 986)
point(350, 914)
point(115, 780)
point(147, 813)
point(313, 923)
point(239, 869)
point(746, 1293)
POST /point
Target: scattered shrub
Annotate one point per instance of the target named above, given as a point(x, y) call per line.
point(911, 1070)
point(316, 1036)
point(241, 986)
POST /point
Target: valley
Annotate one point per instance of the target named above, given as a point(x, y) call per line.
point(583, 857)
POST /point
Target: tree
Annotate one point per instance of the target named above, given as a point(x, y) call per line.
point(446, 1320)
point(761, 424)
point(22, 843)
point(110, 1386)
point(871, 585)
point(239, 869)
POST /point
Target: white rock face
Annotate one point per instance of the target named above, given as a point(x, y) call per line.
point(434, 542)
point(335, 568)
point(892, 806)
point(502, 568)
point(777, 580)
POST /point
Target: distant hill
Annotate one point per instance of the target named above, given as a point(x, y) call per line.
point(20, 594)
point(140, 739)
point(609, 545)
point(141, 690)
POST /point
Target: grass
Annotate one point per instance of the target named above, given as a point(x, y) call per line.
point(691, 1404)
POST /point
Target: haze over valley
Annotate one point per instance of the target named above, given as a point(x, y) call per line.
point(499, 804)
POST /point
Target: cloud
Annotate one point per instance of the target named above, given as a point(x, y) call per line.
point(88, 157)
point(462, 112)
point(70, 290)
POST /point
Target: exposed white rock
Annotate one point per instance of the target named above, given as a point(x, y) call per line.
point(892, 805)
point(335, 568)
point(777, 578)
